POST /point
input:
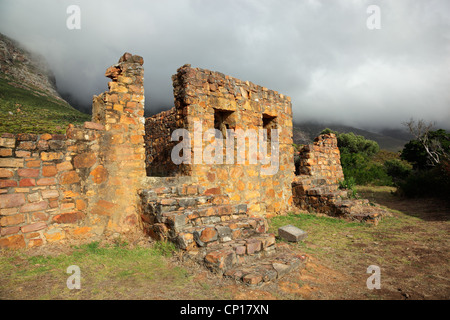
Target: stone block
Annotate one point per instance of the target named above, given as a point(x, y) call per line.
point(8, 183)
point(13, 242)
point(291, 233)
point(11, 163)
point(33, 227)
point(28, 173)
point(11, 200)
point(6, 173)
point(84, 160)
point(69, 217)
point(35, 206)
point(27, 182)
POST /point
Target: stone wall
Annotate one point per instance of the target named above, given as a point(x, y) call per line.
point(316, 187)
point(318, 175)
point(82, 184)
point(322, 159)
point(203, 96)
point(158, 147)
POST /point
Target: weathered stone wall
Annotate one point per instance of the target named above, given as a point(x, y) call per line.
point(317, 189)
point(319, 174)
point(84, 183)
point(158, 147)
point(200, 97)
point(42, 178)
point(322, 159)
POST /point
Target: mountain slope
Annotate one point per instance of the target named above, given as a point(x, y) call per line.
point(305, 132)
point(29, 101)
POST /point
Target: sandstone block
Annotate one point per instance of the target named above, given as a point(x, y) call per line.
point(12, 220)
point(9, 230)
point(35, 206)
point(34, 227)
point(84, 160)
point(6, 173)
point(46, 181)
point(69, 177)
point(27, 182)
point(69, 217)
point(11, 200)
point(11, 163)
point(49, 171)
point(28, 173)
point(94, 126)
point(5, 152)
point(13, 242)
point(8, 183)
point(291, 233)
point(7, 142)
point(64, 166)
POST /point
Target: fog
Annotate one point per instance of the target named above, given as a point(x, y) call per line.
point(320, 53)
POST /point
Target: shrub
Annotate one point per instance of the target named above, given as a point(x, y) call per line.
point(432, 182)
point(348, 184)
point(359, 167)
point(397, 169)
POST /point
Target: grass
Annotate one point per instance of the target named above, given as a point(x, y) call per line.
point(26, 110)
point(330, 238)
point(410, 248)
point(101, 266)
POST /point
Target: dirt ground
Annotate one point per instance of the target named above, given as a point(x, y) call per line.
point(411, 248)
point(413, 251)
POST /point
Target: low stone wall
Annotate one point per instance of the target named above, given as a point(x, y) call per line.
point(82, 184)
point(41, 183)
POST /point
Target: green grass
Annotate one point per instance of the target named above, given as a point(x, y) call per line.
point(39, 113)
point(340, 241)
point(323, 232)
point(100, 265)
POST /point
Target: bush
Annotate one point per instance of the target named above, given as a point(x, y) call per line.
point(397, 169)
point(363, 171)
point(348, 184)
point(434, 182)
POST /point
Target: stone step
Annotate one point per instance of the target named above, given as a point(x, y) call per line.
point(208, 214)
point(337, 195)
point(322, 190)
point(267, 269)
point(220, 257)
point(207, 235)
point(178, 190)
point(168, 191)
point(179, 203)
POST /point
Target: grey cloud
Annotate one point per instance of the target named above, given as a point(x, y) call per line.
point(318, 52)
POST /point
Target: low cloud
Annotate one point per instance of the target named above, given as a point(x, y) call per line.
point(320, 53)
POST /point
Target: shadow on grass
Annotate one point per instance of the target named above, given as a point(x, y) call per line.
point(428, 209)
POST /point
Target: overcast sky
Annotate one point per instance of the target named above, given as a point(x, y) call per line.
point(320, 53)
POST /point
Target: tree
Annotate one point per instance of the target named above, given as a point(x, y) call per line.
point(429, 148)
point(352, 143)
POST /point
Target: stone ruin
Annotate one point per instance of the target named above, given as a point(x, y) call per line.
point(316, 184)
point(115, 175)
